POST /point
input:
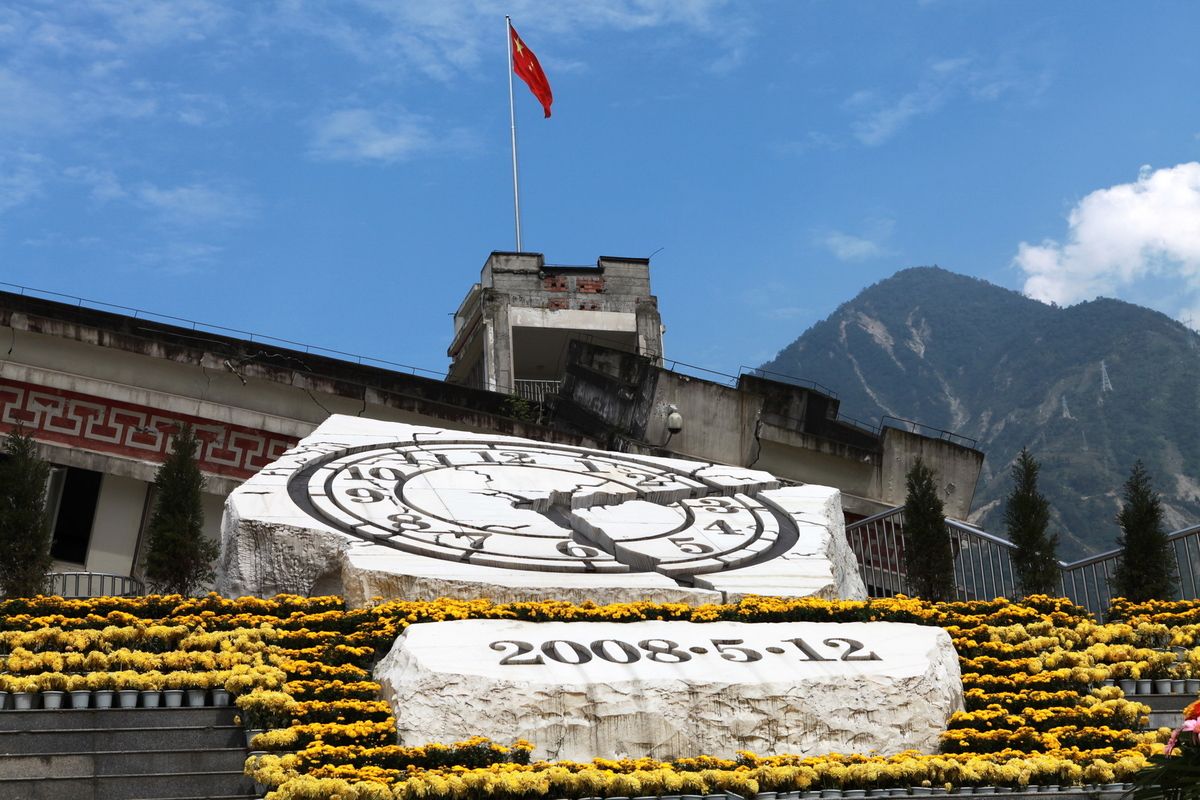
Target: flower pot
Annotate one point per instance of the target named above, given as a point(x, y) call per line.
point(923, 791)
point(831, 793)
point(251, 733)
point(1108, 682)
point(1192, 685)
point(850, 793)
point(52, 699)
point(1145, 686)
point(81, 698)
point(1004, 790)
point(898, 791)
point(22, 701)
point(1112, 787)
point(877, 793)
point(220, 697)
point(150, 698)
point(1128, 685)
point(3, 700)
point(985, 790)
point(127, 698)
point(173, 698)
point(196, 697)
point(1162, 686)
point(103, 698)
point(963, 790)
point(1178, 685)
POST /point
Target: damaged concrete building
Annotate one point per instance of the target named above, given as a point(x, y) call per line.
point(571, 355)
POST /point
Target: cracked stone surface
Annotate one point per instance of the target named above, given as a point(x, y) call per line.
point(689, 688)
point(378, 509)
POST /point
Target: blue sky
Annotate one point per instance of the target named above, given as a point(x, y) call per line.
point(336, 173)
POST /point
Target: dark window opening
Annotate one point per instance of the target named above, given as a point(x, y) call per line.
point(76, 512)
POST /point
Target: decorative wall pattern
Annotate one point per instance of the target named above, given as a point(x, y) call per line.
point(133, 431)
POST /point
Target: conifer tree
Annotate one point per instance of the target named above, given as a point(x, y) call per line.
point(1026, 518)
point(179, 556)
point(1146, 566)
point(928, 555)
point(24, 534)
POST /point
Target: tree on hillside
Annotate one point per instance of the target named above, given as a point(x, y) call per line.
point(1026, 517)
point(24, 533)
point(1146, 566)
point(179, 556)
point(928, 556)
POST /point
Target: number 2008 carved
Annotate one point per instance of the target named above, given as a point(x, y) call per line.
point(664, 651)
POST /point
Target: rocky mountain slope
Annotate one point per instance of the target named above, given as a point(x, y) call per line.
point(1088, 389)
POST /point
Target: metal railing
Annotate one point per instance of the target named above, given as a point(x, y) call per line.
point(780, 377)
point(224, 330)
point(983, 566)
point(535, 391)
point(929, 431)
point(982, 562)
point(79, 585)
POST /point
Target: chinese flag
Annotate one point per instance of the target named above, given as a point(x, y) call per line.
point(526, 65)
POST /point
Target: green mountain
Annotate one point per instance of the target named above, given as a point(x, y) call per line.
point(1088, 389)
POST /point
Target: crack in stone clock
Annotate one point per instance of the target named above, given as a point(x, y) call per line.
point(445, 506)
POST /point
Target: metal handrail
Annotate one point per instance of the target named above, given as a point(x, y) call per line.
point(533, 390)
point(257, 338)
point(912, 426)
point(759, 372)
point(79, 585)
point(983, 562)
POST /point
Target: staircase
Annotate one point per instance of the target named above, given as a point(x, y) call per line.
point(1166, 710)
point(123, 754)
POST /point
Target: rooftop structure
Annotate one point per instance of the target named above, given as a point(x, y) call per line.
point(102, 391)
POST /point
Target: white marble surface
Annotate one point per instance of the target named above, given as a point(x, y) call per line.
point(688, 689)
point(378, 509)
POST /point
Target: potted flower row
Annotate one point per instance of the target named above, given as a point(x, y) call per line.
point(1154, 678)
point(125, 689)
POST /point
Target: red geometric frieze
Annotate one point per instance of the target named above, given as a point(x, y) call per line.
point(133, 431)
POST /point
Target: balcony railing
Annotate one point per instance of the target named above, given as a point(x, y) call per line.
point(79, 585)
point(535, 391)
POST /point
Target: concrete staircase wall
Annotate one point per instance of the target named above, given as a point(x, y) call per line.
point(123, 754)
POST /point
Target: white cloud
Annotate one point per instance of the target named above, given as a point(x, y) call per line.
point(879, 117)
point(103, 183)
point(179, 257)
point(448, 38)
point(364, 135)
point(942, 80)
point(850, 247)
point(1120, 236)
point(22, 177)
point(846, 247)
point(196, 204)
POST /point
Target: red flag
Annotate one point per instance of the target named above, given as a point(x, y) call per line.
point(526, 65)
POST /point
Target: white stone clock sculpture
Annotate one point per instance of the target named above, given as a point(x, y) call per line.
point(376, 509)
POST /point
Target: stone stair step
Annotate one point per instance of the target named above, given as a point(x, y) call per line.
point(161, 786)
point(89, 764)
point(45, 719)
point(147, 739)
point(206, 797)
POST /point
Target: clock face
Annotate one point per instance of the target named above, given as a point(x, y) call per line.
point(544, 507)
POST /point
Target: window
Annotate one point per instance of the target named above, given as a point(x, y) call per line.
point(71, 499)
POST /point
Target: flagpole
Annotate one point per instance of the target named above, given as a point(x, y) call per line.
point(512, 116)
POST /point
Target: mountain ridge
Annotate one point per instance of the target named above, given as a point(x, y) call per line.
point(1088, 388)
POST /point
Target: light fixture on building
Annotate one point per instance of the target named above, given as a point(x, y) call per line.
point(674, 420)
